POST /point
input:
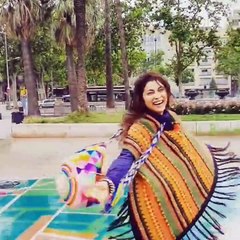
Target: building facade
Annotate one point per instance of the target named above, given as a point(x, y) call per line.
point(204, 72)
point(234, 19)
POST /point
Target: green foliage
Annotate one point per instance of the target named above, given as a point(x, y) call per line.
point(156, 63)
point(134, 19)
point(21, 17)
point(207, 107)
point(184, 24)
point(95, 61)
point(77, 117)
point(117, 118)
point(49, 58)
point(14, 57)
point(229, 55)
point(64, 22)
point(187, 76)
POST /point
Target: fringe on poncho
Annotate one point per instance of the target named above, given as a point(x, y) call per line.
point(177, 193)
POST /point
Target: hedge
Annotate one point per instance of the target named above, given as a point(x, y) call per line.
point(206, 107)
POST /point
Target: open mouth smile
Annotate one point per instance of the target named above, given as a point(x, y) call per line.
point(158, 103)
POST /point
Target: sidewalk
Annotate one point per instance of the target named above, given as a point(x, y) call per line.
point(106, 129)
point(41, 158)
point(82, 130)
point(5, 123)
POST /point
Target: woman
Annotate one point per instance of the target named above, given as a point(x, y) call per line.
point(174, 192)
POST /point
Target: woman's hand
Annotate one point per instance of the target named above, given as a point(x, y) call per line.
point(99, 191)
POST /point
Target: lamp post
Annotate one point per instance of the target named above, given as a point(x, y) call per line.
point(155, 50)
point(6, 57)
point(7, 69)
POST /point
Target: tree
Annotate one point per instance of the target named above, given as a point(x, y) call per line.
point(134, 26)
point(155, 62)
point(228, 57)
point(187, 36)
point(64, 26)
point(21, 19)
point(108, 55)
point(49, 60)
point(123, 52)
point(14, 64)
point(80, 12)
point(187, 76)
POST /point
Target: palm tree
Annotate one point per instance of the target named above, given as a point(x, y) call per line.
point(64, 27)
point(108, 55)
point(80, 12)
point(21, 18)
point(123, 51)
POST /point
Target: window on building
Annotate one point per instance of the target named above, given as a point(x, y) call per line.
point(205, 81)
point(205, 72)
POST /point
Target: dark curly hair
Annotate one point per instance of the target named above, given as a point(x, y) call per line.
point(137, 106)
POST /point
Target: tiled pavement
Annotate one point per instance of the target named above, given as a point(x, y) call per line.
point(34, 211)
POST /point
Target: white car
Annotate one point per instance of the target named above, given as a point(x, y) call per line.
point(48, 103)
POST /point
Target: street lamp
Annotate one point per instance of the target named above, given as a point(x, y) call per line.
point(7, 69)
point(155, 50)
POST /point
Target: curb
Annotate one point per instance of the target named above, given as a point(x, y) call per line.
point(63, 130)
point(106, 129)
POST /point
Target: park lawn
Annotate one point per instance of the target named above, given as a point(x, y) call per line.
point(210, 117)
point(116, 117)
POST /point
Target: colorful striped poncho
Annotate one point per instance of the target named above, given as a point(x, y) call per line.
point(174, 193)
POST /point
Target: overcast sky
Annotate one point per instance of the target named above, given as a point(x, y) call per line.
point(232, 5)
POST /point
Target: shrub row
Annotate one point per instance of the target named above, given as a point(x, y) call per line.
point(210, 107)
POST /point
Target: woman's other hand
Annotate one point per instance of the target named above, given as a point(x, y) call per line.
point(99, 191)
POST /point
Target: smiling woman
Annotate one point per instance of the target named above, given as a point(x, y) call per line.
point(155, 97)
point(174, 182)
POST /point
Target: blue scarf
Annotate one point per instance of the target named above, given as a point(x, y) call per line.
point(164, 118)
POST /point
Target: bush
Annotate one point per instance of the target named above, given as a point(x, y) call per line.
point(208, 107)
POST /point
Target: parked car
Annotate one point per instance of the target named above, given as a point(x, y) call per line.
point(66, 98)
point(48, 103)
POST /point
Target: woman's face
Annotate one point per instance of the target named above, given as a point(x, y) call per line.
point(155, 97)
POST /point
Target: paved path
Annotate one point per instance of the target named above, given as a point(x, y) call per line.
point(39, 158)
point(5, 123)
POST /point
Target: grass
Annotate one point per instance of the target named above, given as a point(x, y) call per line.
point(211, 117)
point(235, 132)
point(116, 117)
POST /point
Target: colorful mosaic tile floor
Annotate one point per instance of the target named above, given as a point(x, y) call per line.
point(33, 211)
